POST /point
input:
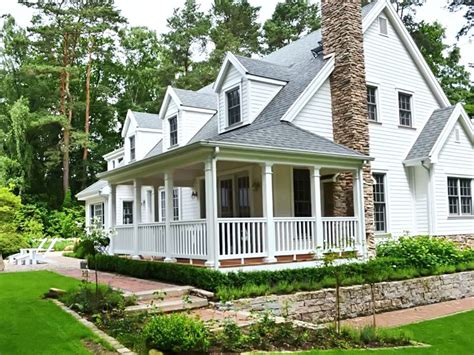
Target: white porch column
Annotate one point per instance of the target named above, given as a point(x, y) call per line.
point(169, 216)
point(210, 174)
point(358, 190)
point(267, 199)
point(317, 209)
point(137, 214)
point(156, 203)
point(112, 215)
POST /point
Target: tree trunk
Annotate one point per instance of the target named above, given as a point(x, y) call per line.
point(88, 100)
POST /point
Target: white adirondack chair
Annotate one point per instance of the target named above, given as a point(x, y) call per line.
point(22, 256)
point(40, 256)
point(32, 255)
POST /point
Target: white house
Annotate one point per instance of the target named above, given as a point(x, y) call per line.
point(338, 137)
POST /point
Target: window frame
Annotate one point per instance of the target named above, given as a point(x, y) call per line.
point(173, 132)
point(93, 213)
point(382, 18)
point(376, 103)
point(237, 87)
point(412, 108)
point(176, 204)
point(132, 143)
point(458, 196)
point(384, 202)
point(128, 214)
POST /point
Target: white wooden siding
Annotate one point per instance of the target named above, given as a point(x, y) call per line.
point(189, 124)
point(457, 160)
point(260, 96)
point(390, 67)
point(282, 191)
point(316, 116)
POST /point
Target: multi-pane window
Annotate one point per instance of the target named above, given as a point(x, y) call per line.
point(302, 192)
point(175, 204)
point(132, 148)
point(226, 198)
point(233, 106)
point(127, 212)
point(380, 204)
point(97, 214)
point(460, 196)
point(173, 130)
point(404, 109)
point(372, 102)
point(243, 196)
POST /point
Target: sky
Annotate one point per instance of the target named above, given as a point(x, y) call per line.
point(153, 14)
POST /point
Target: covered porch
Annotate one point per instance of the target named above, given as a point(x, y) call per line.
point(252, 210)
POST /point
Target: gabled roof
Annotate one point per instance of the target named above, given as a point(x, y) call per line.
point(143, 120)
point(265, 69)
point(197, 99)
point(435, 132)
point(157, 149)
point(92, 190)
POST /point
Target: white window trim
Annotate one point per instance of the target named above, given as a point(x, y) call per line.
point(387, 202)
point(377, 101)
point(169, 130)
point(161, 217)
point(231, 87)
point(412, 105)
point(460, 215)
point(380, 28)
point(123, 214)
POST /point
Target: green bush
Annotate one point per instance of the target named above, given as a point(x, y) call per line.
point(176, 333)
point(424, 252)
point(90, 300)
point(11, 243)
point(83, 249)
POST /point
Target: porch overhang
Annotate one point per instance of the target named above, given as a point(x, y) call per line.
point(202, 150)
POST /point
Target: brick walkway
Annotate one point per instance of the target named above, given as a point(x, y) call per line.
point(416, 314)
point(71, 267)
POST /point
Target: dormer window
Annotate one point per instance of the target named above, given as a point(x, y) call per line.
point(173, 130)
point(233, 106)
point(132, 148)
point(383, 26)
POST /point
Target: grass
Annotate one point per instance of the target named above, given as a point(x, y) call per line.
point(32, 325)
point(447, 335)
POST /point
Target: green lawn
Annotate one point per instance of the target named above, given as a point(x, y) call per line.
point(31, 325)
point(453, 335)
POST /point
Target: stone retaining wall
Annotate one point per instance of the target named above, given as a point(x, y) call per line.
point(319, 306)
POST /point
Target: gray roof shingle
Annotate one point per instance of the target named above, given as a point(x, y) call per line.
point(95, 187)
point(147, 120)
point(207, 100)
point(265, 68)
point(157, 149)
point(430, 133)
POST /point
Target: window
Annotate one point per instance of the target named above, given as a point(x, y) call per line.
point(226, 198)
point(175, 204)
point(127, 212)
point(372, 102)
point(132, 148)
point(459, 196)
point(383, 26)
point(173, 130)
point(97, 214)
point(380, 205)
point(233, 106)
point(404, 109)
point(243, 196)
point(113, 164)
point(302, 192)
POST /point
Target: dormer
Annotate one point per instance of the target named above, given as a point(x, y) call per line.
point(141, 132)
point(245, 86)
point(114, 159)
point(183, 113)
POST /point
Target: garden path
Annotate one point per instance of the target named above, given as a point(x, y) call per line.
point(416, 314)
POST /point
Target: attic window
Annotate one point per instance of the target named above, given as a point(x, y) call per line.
point(457, 135)
point(132, 148)
point(233, 106)
point(383, 26)
point(173, 130)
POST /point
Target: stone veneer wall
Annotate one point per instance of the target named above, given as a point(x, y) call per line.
point(342, 36)
point(319, 306)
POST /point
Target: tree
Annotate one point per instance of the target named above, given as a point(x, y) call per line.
point(291, 20)
point(234, 28)
point(468, 6)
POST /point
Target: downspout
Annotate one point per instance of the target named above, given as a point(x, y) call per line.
point(429, 198)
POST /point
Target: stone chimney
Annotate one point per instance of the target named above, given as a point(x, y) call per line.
point(342, 36)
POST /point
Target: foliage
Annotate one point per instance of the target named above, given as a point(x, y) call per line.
point(90, 300)
point(425, 252)
point(176, 333)
point(66, 223)
point(11, 243)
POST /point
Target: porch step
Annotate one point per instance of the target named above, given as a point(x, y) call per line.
point(162, 293)
point(169, 304)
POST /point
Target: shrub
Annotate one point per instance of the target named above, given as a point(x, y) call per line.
point(83, 249)
point(11, 243)
point(176, 333)
point(423, 252)
point(89, 300)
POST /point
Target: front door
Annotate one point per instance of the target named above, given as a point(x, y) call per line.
point(243, 196)
point(302, 193)
point(226, 197)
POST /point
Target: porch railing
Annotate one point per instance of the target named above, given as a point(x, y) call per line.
point(340, 233)
point(241, 238)
point(123, 239)
point(295, 235)
point(189, 239)
point(152, 239)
